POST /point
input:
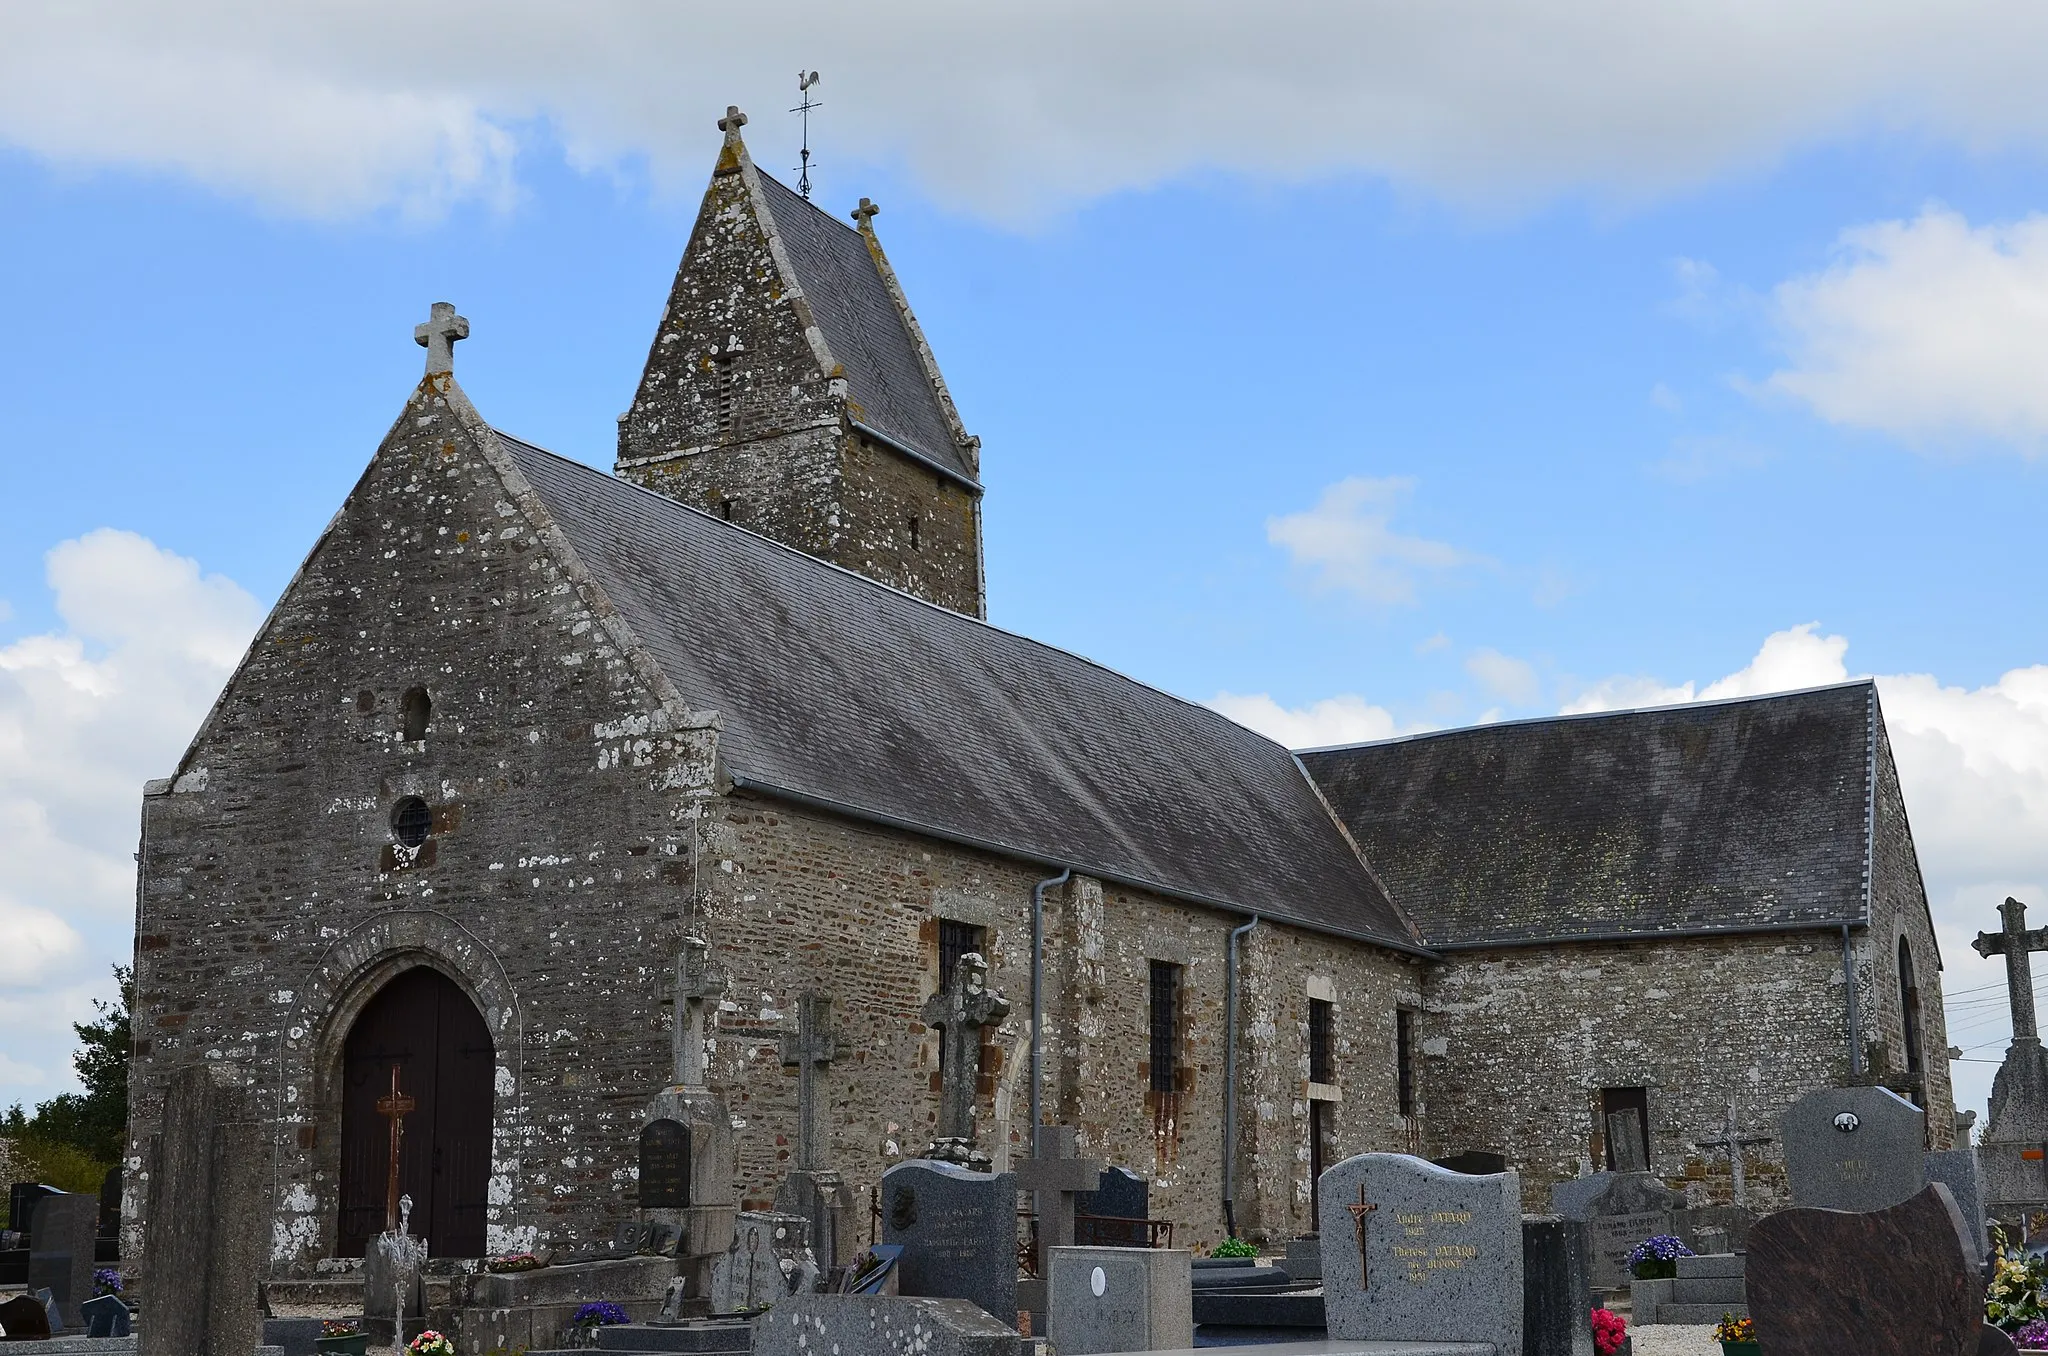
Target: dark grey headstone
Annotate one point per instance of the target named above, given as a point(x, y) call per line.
point(664, 1165)
point(107, 1316)
point(880, 1325)
point(1441, 1254)
point(21, 1203)
point(207, 1221)
point(1854, 1149)
point(958, 1231)
point(1956, 1169)
point(110, 1204)
point(1557, 1295)
point(61, 1252)
point(1119, 1194)
point(1620, 1210)
point(24, 1316)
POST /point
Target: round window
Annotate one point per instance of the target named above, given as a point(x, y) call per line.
point(411, 821)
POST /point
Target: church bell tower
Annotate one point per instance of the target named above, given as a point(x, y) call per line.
point(789, 390)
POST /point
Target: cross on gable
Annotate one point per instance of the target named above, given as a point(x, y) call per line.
point(1358, 1211)
point(733, 120)
point(437, 335)
point(865, 214)
point(2017, 945)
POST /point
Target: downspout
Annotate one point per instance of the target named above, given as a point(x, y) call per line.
point(1855, 1016)
point(1038, 989)
point(1230, 1080)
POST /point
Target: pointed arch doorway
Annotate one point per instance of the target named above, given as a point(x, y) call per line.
point(425, 1026)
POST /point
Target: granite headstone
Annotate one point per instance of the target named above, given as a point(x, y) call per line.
point(61, 1252)
point(1853, 1149)
point(1620, 1210)
point(24, 1316)
point(880, 1325)
point(1957, 1170)
point(769, 1260)
point(1557, 1299)
point(1120, 1299)
point(21, 1204)
point(209, 1190)
point(1415, 1252)
point(1890, 1282)
point(107, 1316)
point(958, 1231)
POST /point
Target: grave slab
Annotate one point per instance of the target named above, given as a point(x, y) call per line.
point(61, 1252)
point(1957, 1170)
point(1620, 1210)
point(880, 1325)
point(1853, 1149)
point(958, 1232)
point(769, 1260)
point(1890, 1282)
point(209, 1189)
point(1415, 1252)
point(1119, 1299)
point(1557, 1297)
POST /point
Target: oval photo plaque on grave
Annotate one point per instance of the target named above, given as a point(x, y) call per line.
point(665, 1166)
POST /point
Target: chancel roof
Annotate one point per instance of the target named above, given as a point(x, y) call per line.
point(864, 327)
point(838, 690)
point(1753, 813)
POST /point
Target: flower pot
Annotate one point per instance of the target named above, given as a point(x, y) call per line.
point(355, 1344)
point(1740, 1349)
point(1655, 1269)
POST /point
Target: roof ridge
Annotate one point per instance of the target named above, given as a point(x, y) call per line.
point(869, 581)
point(1695, 705)
point(771, 179)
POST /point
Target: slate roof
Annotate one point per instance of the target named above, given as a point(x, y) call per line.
point(1751, 813)
point(837, 689)
point(863, 326)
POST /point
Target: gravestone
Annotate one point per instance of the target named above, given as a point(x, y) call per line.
point(1113, 1215)
point(21, 1203)
point(880, 1325)
point(107, 1316)
point(24, 1316)
point(768, 1260)
point(1625, 1140)
point(1888, 1282)
point(813, 1190)
point(1055, 1175)
point(1415, 1252)
point(110, 1216)
point(1619, 1210)
point(958, 1231)
point(293, 1336)
point(958, 1012)
point(1557, 1299)
point(61, 1252)
point(392, 1295)
point(209, 1186)
point(1853, 1149)
point(1957, 1170)
point(1734, 1142)
point(1119, 1299)
point(693, 1187)
point(2014, 1170)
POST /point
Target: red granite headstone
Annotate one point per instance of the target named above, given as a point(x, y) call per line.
point(1894, 1282)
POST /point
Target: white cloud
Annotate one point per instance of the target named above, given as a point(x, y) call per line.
point(1787, 660)
point(1926, 329)
point(1503, 676)
point(1346, 541)
point(1008, 109)
point(89, 712)
point(1345, 719)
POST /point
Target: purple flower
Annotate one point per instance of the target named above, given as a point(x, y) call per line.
point(1662, 1248)
point(2034, 1334)
point(106, 1281)
point(599, 1314)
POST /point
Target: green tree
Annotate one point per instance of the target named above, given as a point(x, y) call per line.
point(93, 1122)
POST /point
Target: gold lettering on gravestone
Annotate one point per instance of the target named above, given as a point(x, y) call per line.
point(1420, 1255)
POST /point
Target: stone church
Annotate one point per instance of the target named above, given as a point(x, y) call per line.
point(520, 733)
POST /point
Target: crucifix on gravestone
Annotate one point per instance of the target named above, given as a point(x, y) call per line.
point(698, 981)
point(2016, 944)
point(1734, 1144)
point(959, 1012)
point(1359, 1210)
point(437, 335)
point(810, 1046)
point(395, 1106)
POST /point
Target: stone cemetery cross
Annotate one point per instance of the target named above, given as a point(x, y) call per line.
point(2016, 944)
point(1359, 1211)
point(438, 334)
point(394, 1106)
point(698, 980)
point(960, 1011)
point(813, 1043)
point(1734, 1143)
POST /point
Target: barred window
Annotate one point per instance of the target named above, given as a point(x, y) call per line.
point(955, 941)
point(1404, 1056)
point(1319, 1014)
point(1165, 1024)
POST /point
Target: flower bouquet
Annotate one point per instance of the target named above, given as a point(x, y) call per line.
point(1737, 1336)
point(2032, 1336)
point(506, 1263)
point(106, 1281)
point(343, 1336)
point(430, 1343)
point(585, 1322)
point(1610, 1333)
point(1655, 1259)
point(2012, 1299)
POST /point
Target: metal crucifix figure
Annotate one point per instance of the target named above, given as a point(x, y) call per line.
point(395, 1106)
point(1359, 1212)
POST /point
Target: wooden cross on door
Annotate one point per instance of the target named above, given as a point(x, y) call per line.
point(395, 1106)
point(1359, 1211)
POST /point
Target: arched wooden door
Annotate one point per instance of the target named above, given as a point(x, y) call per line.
point(426, 1027)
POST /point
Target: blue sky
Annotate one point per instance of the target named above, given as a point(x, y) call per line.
point(1351, 405)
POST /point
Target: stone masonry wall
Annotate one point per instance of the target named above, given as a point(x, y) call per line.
point(1518, 1043)
point(803, 898)
point(1899, 913)
point(274, 899)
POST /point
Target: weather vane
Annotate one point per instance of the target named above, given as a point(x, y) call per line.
point(805, 82)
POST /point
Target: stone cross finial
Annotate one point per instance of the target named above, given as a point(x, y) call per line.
point(960, 1011)
point(698, 981)
point(2016, 944)
point(864, 215)
point(812, 1044)
point(437, 335)
point(733, 120)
